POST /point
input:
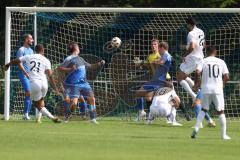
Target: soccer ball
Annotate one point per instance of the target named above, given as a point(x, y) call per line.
point(116, 42)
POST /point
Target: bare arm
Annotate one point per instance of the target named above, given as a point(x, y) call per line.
point(159, 62)
point(96, 65)
point(20, 65)
point(51, 80)
point(189, 49)
point(67, 70)
point(225, 78)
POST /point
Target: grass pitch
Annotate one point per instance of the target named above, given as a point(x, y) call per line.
point(114, 140)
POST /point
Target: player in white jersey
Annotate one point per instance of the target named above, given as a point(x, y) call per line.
point(193, 57)
point(214, 75)
point(38, 66)
point(164, 103)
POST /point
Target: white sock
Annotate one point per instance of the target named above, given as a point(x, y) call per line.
point(187, 88)
point(38, 114)
point(46, 113)
point(173, 114)
point(200, 118)
point(190, 82)
point(223, 124)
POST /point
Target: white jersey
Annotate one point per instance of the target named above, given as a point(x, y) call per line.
point(197, 37)
point(37, 65)
point(164, 95)
point(212, 71)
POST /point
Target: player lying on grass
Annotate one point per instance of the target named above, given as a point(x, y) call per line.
point(197, 108)
point(214, 75)
point(76, 83)
point(193, 57)
point(164, 103)
point(39, 66)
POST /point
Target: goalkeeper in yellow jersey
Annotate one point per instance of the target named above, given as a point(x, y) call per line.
point(155, 55)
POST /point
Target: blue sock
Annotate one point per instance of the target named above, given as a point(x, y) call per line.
point(207, 117)
point(66, 105)
point(27, 105)
point(140, 104)
point(83, 107)
point(92, 112)
point(197, 109)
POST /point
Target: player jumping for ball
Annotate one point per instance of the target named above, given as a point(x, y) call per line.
point(193, 57)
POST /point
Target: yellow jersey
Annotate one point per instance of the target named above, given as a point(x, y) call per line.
point(152, 57)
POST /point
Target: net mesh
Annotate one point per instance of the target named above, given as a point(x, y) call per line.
point(93, 31)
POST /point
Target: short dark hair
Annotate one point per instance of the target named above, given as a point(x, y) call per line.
point(191, 21)
point(39, 48)
point(25, 36)
point(210, 49)
point(164, 45)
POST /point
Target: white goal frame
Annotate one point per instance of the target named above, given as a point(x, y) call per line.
point(68, 9)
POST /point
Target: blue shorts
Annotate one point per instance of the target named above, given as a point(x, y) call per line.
point(75, 91)
point(25, 82)
point(153, 85)
point(199, 94)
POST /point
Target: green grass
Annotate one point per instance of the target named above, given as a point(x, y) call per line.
point(113, 140)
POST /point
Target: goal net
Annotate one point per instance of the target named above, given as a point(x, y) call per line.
point(93, 29)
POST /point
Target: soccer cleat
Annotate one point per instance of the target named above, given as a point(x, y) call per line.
point(26, 117)
point(213, 124)
point(176, 124)
point(56, 120)
point(141, 114)
point(188, 118)
point(148, 122)
point(94, 121)
point(38, 120)
point(226, 137)
point(67, 117)
point(194, 134)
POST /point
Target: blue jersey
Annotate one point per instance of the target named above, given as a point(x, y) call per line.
point(23, 51)
point(162, 70)
point(77, 76)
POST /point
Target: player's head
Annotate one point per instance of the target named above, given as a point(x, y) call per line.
point(154, 45)
point(191, 23)
point(74, 48)
point(27, 39)
point(211, 51)
point(39, 49)
point(70, 47)
point(163, 47)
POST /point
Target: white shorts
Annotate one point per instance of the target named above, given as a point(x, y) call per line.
point(38, 89)
point(162, 109)
point(191, 64)
point(216, 99)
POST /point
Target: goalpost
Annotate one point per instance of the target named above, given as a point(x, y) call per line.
point(93, 28)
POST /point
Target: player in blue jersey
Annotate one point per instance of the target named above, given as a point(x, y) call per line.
point(162, 66)
point(82, 100)
point(25, 50)
point(76, 83)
